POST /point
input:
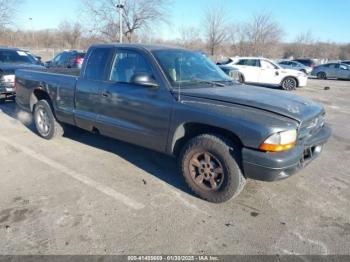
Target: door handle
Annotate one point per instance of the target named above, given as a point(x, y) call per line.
point(106, 94)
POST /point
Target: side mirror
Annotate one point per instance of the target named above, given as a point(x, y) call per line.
point(144, 79)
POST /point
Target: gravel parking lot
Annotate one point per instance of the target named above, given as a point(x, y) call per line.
point(87, 194)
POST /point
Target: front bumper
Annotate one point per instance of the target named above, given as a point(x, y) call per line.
point(302, 81)
point(7, 88)
point(273, 166)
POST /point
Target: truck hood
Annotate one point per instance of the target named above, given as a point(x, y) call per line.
point(278, 102)
point(10, 68)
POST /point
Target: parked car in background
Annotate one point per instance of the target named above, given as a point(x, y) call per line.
point(346, 62)
point(178, 102)
point(231, 71)
point(306, 62)
point(295, 65)
point(67, 59)
point(257, 70)
point(332, 70)
point(36, 58)
point(12, 59)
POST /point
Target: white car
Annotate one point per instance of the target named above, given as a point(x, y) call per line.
point(257, 70)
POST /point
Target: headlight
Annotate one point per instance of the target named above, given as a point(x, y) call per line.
point(8, 78)
point(281, 141)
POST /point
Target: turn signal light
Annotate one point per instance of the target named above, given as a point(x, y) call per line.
point(276, 148)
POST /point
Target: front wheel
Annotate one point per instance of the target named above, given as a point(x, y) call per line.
point(289, 84)
point(210, 166)
point(45, 121)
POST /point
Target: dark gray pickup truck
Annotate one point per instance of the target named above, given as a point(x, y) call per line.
point(178, 102)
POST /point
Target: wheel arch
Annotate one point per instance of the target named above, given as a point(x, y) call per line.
point(39, 93)
point(323, 73)
point(294, 77)
point(187, 131)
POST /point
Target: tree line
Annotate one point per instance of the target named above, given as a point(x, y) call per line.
point(260, 35)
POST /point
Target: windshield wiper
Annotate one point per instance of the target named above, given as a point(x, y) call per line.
point(208, 82)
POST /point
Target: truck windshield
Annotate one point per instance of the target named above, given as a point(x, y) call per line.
point(189, 69)
point(15, 56)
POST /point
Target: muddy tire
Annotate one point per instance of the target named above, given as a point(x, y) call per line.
point(211, 167)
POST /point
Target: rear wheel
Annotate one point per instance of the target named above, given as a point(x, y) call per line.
point(210, 167)
point(45, 122)
point(289, 84)
point(321, 75)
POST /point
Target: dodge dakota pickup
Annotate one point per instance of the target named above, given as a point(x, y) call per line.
point(178, 102)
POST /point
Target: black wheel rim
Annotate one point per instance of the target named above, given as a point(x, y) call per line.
point(206, 171)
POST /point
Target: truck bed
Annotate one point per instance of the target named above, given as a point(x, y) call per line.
point(59, 86)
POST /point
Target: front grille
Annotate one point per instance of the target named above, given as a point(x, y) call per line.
point(311, 127)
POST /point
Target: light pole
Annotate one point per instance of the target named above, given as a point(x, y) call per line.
point(31, 24)
point(120, 6)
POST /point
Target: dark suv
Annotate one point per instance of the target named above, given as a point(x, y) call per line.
point(12, 59)
point(67, 59)
point(306, 62)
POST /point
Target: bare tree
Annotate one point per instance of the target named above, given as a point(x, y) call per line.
point(262, 33)
point(237, 40)
point(7, 11)
point(70, 33)
point(215, 27)
point(189, 37)
point(303, 44)
point(137, 15)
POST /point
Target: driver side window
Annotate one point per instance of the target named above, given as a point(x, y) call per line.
point(267, 65)
point(126, 64)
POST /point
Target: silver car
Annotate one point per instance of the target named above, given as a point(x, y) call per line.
point(296, 66)
point(332, 70)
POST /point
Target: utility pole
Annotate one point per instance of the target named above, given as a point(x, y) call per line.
point(32, 27)
point(120, 6)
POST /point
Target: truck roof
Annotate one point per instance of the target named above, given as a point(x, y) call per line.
point(140, 46)
point(6, 48)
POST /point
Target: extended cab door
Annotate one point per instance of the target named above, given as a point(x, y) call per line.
point(87, 95)
point(250, 68)
point(131, 112)
point(269, 73)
